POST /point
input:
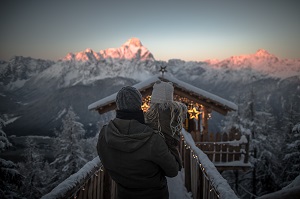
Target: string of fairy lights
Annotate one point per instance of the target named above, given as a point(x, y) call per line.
point(82, 188)
point(195, 156)
point(194, 109)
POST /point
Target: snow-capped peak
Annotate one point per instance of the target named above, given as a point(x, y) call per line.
point(262, 61)
point(89, 50)
point(263, 53)
point(133, 42)
point(131, 49)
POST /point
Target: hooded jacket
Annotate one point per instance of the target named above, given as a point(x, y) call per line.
point(136, 158)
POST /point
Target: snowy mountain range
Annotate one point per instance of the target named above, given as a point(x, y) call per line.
point(132, 49)
point(35, 92)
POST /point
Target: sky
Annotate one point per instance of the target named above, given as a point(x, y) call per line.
point(191, 30)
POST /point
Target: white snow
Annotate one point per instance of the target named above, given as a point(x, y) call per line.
point(11, 120)
point(291, 191)
point(61, 113)
point(17, 84)
point(242, 140)
point(177, 189)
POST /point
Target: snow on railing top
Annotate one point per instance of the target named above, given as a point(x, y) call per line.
point(242, 140)
point(218, 182)
point(74, 182)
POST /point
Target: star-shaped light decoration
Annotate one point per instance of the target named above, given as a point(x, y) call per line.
point(193, 113)
point(145, 107)
point(163, 70)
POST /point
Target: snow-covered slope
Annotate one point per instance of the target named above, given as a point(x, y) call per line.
point(18, 70)
point(264, 62)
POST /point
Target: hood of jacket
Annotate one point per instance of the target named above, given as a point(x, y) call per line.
point(126, 135)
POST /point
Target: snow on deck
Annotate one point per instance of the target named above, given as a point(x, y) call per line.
point(177, 189)
point(180, 84)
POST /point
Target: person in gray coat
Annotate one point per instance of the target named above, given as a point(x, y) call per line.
point(135, 156)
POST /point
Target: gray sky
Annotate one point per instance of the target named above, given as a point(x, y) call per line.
point(190, 30)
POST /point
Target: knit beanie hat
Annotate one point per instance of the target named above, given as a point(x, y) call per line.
point(129, 98)
point(162, 92)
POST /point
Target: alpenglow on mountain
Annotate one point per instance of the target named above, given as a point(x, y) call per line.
point(133, 60)
point(132, 49)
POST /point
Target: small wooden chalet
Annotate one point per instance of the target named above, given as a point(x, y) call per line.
point(226, 151)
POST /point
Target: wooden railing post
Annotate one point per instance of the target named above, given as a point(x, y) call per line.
point(187, 169)
point(106, 185)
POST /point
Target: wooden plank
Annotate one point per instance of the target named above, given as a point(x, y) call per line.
point(95, 189)
point(225, 168)
point(237, 136)
point(197, 136)
point(100, 187)
point(187, 169)
point(230, 147)
point(204, 120)
point(90, 188)
point(205, 147)
point(221, 153)
point(218, 147)
point(198, 179)
point(193, 177)
point(211, 146)
point(113, 192)
point(201, 185)
point(224, 148)
point(193, 134)
point(80, 194)
point(105, 185)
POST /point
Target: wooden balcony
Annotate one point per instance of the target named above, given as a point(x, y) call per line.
point(202, 178)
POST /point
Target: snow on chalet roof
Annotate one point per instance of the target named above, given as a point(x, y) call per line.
point(177, 84)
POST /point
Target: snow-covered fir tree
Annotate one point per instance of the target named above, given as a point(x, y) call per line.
point(69, 156)
point(291, 148)
point(89, 147)
point(255, 117)
point(268, 143)
point(4, 142)
point(11, 179)
point(32, 170)
point(291, 159)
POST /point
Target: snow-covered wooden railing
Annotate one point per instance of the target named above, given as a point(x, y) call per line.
point(89, 182)
point(226, 151)
point(201, 176)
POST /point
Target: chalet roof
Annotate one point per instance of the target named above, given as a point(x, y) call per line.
point(181, 88)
